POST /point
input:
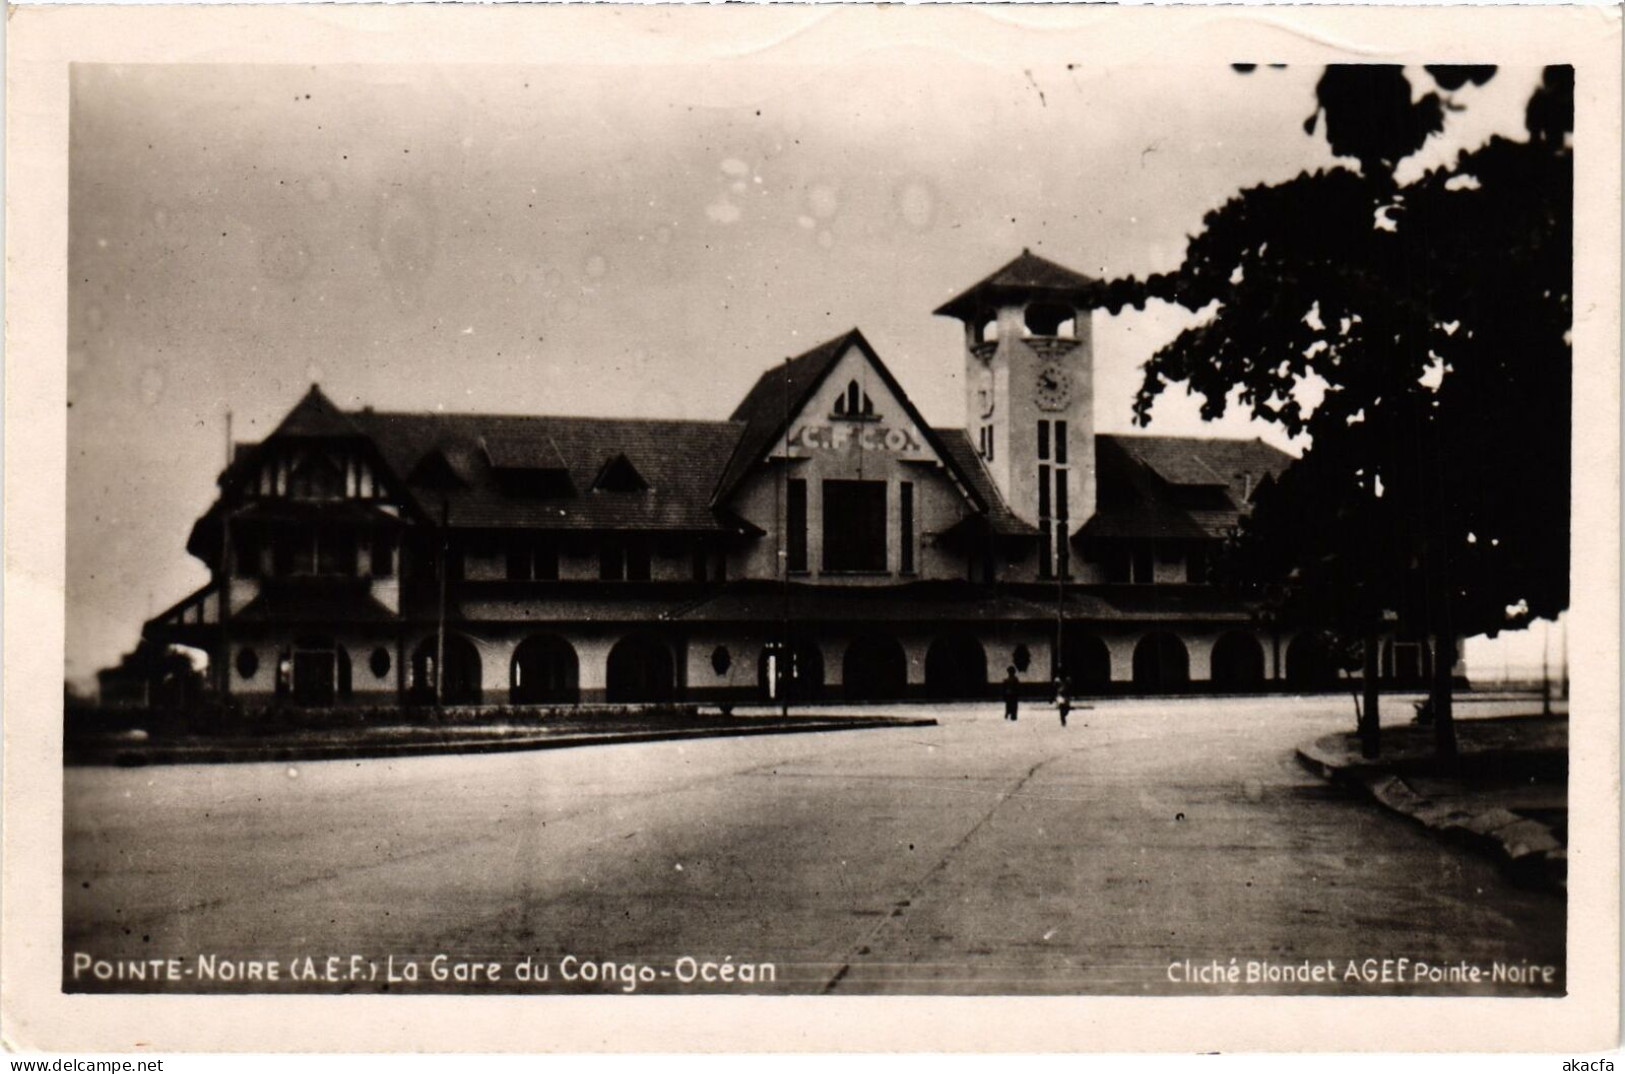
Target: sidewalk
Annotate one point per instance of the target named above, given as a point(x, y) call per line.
point(128, 750)
point(1507, 796)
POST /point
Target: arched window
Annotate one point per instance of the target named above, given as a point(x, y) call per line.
point(854, 403)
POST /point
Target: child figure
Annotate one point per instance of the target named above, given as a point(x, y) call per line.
point(1063, 698)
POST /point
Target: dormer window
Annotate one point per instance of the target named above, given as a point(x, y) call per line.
point(853, 404)
point(619, 475)
point(435, 471)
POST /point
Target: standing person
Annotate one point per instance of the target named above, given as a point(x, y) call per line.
point(1063, 697)
point(1012, 692)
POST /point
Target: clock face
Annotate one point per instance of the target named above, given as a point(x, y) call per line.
point(1052, 390)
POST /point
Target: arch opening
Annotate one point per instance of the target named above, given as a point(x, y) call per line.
point(544, 671)
point(792, 671)
point(1161, 663)
point(1051, 319)
point(874, 669)
point(1086, 663)
point(1309, 664)
point(1238, 662)
point(461, 685)
point(956, 668)
point(641, 669)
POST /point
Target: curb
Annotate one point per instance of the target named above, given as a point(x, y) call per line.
point(1526, 848)
point(126, 756)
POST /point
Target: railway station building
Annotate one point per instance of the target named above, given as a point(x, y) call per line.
point(823, 543)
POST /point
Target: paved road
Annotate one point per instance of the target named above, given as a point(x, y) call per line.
point(973, 857)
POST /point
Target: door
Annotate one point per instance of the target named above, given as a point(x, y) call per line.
point(314, 680)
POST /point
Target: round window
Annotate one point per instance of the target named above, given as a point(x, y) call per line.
point(379, 662)
point(248, 663)
point(721, 660)
point(1022, 658)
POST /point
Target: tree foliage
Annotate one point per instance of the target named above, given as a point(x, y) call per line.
point(1417, 333)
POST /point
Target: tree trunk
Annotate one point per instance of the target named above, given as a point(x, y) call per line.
point(1444, 725)
point(1370, 714)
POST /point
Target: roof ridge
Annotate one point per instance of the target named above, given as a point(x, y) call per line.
point(482, 416)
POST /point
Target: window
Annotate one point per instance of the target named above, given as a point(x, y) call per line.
point(611, 560)
point(905, 527)
point(383, 556)
point(314, 553)
point(854, 525)
point(795, 525)
point(316, 478)
point(854, 404)
point(637, 559)
point(248, 557)
point(1053, 516)
point(619, 475)
point(1063, 551)
point(1196, 565)
point(1144, 574)
point(1046, 525)
point(533, 559)
point(623, 559)
point(282, 555)
point(1114, 561)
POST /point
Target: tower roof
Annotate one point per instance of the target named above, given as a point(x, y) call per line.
point(1027, 276)
point(315, 415)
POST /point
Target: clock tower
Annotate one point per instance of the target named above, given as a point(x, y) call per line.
point(1029, 374)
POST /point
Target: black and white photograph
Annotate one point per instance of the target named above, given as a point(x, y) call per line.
point(822, 516)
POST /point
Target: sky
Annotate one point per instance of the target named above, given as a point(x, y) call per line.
point(601, 241)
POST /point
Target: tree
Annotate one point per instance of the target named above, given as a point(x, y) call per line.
point(1432, 318)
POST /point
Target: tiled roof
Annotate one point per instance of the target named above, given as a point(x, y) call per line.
point(680, 460)
point(1000, 519)
point(325, 600)
point(772, 401)
point(1027, 274)
point(315, 415)
point(1182, 488)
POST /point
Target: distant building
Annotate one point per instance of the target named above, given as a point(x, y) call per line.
point(822, 543)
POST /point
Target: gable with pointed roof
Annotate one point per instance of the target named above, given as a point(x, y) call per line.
point(782, 394)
